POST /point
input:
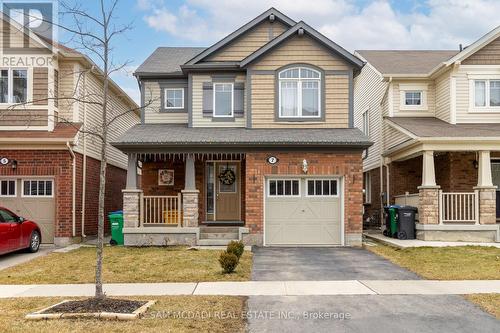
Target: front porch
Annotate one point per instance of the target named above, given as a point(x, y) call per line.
point(181, 199)
point(455, 193)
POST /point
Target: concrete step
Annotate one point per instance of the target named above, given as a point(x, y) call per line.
point(213, 242)
point(219, 235)
point(219, 229)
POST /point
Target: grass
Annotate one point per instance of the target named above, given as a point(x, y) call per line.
point(127, 264)
point(446, 263)
point(489, 302)
point(225, 316)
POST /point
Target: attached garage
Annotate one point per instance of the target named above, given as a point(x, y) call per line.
point(32, 199)
point(303, 211)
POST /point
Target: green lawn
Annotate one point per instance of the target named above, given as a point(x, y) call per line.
point(127, 264)
point(446, 263)
point(161, 317)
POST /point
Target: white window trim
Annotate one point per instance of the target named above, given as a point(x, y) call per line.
point(283, 195)
point(36, 196)
point(173, 107)
point(366, 121)
point(15, 188)
point(472, 93)
point(299, 92)
point(10, 82)
point(413, 87)
point(232, 100)
point(321, 196)
point(368, 188)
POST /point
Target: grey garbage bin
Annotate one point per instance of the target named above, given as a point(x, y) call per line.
point(406, 225)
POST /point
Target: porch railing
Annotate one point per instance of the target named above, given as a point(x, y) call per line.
point(161, 210)
point(458, 207)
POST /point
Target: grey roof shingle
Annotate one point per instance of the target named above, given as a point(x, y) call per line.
point(168, 135)
point(168, 60)
point(434, 127)
point(406, 61)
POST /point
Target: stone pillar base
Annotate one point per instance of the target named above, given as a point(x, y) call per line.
point(190, 208)
point(487, 204)
point(131, 208)
point(428, 204)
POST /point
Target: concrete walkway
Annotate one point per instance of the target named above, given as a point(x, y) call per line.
point(262, 288)
point(20, 257)
point(402, 244)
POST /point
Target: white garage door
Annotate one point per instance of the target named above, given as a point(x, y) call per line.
point(303, 211)
point(32, 199)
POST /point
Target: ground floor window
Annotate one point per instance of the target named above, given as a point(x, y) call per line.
point(367, 187)
point(37, 188)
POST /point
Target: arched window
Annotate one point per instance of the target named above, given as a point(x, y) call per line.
point(299, 93)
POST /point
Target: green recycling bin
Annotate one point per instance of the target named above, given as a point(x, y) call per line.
point(116, 222)
point(393, 215)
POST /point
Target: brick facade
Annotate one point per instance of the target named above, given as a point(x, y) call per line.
point(57, 164)
point(347, 164)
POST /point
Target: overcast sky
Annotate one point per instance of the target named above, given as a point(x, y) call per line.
point(354, 24)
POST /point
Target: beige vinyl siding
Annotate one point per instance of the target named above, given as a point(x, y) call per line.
point(463, 112)
point(300, 49)
point(369, 89)
point(384, 104)
point(393, 137)
point(16, 37)
point(152, 114)
point(40, 85)
point(443, 108)
point(198, 119)
point(431, 100)
point(249, 42)
point(66, 90)
point(488, 55)
point(23, 117)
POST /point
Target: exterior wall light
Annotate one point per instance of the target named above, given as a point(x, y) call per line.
point(304, 166)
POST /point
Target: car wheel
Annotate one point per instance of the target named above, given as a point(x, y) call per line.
point(34, 242)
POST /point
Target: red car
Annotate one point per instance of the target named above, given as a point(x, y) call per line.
point(16, 233)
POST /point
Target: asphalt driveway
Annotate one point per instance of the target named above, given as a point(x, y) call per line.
point(20, 257)
point(328, 263)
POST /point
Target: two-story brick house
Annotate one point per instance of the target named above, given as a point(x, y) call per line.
point(250, 138)
point(50, 169)
point(435, 119)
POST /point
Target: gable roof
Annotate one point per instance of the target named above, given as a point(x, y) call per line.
point(406, 62)
point(302, 26)
point(167, 60)
point(474, 47)
point(235, 34)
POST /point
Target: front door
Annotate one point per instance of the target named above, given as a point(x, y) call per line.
point(227, 191)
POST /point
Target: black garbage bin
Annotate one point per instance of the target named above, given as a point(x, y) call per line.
point(406, 225)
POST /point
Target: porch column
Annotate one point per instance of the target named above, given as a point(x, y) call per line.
point(131, 195)
point(190, 195)
point(428, 199)
point(485, 190)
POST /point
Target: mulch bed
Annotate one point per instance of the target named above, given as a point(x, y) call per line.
point(95, 305)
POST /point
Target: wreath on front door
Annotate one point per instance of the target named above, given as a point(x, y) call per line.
point(227, 177)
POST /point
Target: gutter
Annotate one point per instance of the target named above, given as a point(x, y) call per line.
point(84, 171)
point(73, 185)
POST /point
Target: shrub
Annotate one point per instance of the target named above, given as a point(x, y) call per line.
point(236, 247)
point(228, 262)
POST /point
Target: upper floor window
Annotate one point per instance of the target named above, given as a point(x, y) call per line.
point(413, 97)
point(174, 98)
point(366, 122)
point(299, 93)
point(486, 93)
point(223, 99)
point(13, 85)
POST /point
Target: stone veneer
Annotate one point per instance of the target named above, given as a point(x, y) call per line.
point(428, 205)
point(190, 202)
point(131, 201)
point(487, 205)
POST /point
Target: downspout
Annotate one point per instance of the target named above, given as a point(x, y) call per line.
point(73, 185)
point(84, 167)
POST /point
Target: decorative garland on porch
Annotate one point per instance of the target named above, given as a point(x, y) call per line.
point(227, 177)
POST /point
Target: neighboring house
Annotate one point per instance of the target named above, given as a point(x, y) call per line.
point(51, 174)
point(435, 120)
point(251, 138)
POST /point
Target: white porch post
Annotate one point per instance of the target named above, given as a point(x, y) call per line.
point(428, 200)
point(131, 195)
point(132, 172)
point(190, 194)
point(485, 190)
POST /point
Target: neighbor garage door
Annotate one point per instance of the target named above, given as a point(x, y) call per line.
point(303, 211)
point(32, 199)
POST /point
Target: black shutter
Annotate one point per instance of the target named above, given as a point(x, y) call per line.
point(239, 99)
point(208, 99)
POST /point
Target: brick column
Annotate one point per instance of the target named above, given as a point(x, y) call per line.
point(190, 208)
point(131, 208)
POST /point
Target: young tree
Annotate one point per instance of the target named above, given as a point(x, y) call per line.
point(94, 34)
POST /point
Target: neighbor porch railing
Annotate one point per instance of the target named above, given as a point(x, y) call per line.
point(458, 207)
point(161, 210)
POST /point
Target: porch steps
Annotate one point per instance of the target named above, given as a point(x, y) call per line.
point(217, 236)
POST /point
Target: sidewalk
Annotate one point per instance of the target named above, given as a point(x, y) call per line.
point(262, 288)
